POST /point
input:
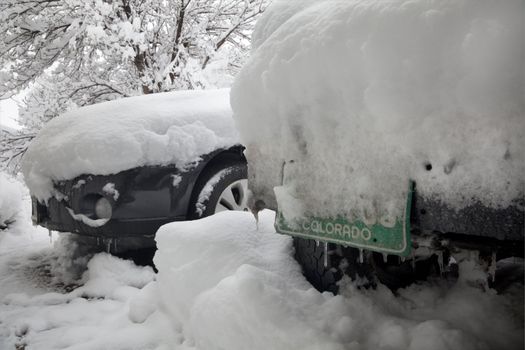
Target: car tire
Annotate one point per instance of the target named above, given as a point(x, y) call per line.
point(325, 273)
point(219, 188)
point(397, 274)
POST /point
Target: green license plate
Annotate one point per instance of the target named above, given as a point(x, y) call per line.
point(394, 239)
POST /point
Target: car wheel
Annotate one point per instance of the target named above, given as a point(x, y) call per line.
point(220, 188)
point(396, 274)
point(324, 265)
point(322, 272)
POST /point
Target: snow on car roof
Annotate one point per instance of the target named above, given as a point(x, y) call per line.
point(365, 95)
point(106, 138)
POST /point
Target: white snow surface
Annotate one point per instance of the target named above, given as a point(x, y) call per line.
point(86, 219)
point(228, 283)
point(363, 95)
point(109, 189)
point(207, 190)
point(160, 129)
point(56, 295)
point(225, 282)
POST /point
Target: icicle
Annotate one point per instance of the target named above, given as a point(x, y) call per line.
point(255, 214)
point(403, 259)
point(108, 245)
point(256, 208)
point(50, 236)
point(325, 255)
point(385, 257)
point(316, 243)
point(440, 261)
point(492, 267)
point(361, 256)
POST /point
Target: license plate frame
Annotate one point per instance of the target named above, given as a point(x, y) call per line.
point(394, 240)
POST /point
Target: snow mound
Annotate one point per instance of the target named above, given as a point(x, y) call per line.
point(10, 199)
point(160, 129)
point(365, 95)
point(226, 241)
point(227, 285)
point(223, 283)
point(102, 314)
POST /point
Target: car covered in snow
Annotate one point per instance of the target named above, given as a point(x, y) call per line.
point(389, 131)
point(113, 173)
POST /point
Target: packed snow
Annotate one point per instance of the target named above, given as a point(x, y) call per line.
point(109, 189)
point(57, 295)
point(207, 190)
point(364, 96)
point(86, 219)
point(160, 129)
point(226, 282)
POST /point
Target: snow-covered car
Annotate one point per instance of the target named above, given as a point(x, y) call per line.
point(388, 131)
point(114, 172)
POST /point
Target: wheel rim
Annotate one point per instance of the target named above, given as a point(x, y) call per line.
point(234, 197)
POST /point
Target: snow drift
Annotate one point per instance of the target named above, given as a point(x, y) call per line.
point(223, 283)
point(226, 284)
point(167, 128)
point(365, 95)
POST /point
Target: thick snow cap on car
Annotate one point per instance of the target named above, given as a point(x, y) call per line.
point(160, 129)
point(343, 102)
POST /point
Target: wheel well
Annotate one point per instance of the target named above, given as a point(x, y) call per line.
point(231, 155)
point(234, 154)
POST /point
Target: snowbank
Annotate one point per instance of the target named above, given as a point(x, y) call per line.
point(227, 285)
point(102, 314)
point(10, 199)
point(224, 284)
point(168, 128)
point(365, 95)
point(194, 256)
point(43, 306)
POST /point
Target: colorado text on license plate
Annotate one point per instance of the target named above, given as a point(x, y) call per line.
point(389, 239)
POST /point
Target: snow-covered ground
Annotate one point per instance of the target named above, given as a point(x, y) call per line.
point(54, 295)
point(226, 282)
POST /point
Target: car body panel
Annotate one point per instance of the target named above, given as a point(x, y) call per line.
point(475, 220)
point(143, 199)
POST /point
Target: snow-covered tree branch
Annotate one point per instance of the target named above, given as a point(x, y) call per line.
point(145, 45)
point(12, 147)
point(78, 52)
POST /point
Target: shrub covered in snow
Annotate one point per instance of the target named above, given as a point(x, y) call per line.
point(10, 199)
point(365, 95)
